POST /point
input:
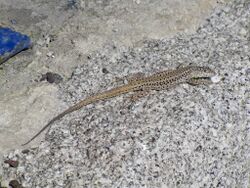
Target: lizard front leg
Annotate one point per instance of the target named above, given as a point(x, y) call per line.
point(138, 94)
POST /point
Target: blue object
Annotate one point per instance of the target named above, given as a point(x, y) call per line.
point(11, 43)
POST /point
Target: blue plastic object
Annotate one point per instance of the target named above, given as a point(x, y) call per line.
point(11, 43)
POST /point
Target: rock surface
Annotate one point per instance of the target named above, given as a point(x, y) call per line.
point(186, 137)
point(64, 34)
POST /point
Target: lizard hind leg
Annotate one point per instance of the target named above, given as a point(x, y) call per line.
point(131, 78)
point(182, 65)
point(135, 77)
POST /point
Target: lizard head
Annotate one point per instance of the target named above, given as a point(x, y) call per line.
point(200, 75)
point(201, 72)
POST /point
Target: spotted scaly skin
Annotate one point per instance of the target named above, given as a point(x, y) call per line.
point(141, 86)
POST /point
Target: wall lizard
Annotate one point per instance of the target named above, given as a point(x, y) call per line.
point(141, 85)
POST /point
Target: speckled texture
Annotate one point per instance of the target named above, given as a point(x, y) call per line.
point(186, 137)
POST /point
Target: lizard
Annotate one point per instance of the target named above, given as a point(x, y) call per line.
point(141, 86)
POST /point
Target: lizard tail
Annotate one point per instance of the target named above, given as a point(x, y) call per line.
point(92, 99)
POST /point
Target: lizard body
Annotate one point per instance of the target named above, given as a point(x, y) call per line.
point(193, 75)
